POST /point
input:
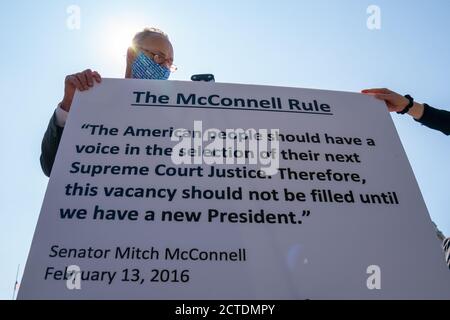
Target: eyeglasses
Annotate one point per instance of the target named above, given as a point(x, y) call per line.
point(160, 59)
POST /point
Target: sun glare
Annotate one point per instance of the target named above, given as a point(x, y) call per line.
point(117, 35)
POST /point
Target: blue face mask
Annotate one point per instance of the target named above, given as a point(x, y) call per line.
point(145, 68)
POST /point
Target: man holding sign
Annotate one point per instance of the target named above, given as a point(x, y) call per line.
point(135, 219)
point(150, 57)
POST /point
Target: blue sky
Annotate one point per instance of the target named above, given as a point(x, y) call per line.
point(312, 44)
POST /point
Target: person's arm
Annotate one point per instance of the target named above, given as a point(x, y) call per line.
point(50, 144)
point(422, 113)
point(80, 81)
point(435, 119)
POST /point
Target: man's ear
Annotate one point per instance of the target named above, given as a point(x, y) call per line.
point(131, 56)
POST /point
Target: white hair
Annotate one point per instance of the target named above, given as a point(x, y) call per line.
point(140, 36)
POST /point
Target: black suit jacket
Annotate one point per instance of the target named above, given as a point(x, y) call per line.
point(436, 119)
point(49, 145)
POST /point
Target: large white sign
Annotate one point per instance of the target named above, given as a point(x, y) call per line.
point(183, 190)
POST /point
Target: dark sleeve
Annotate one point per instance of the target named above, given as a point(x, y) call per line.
point(436, 119)
point(49, 145)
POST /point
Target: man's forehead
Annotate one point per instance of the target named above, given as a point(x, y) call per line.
point(157, 41)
